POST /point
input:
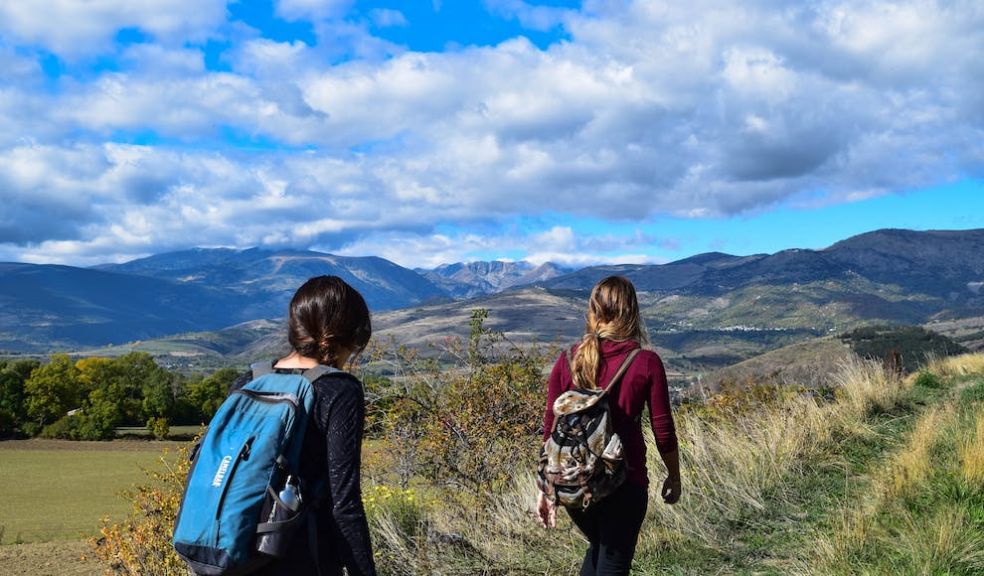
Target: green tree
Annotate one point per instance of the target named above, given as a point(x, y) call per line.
point(145, 389)
point(22, 368)
point(13, 374)
point(104, 382)
point(207, 394)
point(97, 374)
point(102, 414)
point(51, 391)
point(11, 402)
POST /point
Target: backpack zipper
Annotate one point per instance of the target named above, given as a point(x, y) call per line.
point(242, 455)
point(269, 398)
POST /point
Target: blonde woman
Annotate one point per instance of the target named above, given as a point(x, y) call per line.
point(614, 329)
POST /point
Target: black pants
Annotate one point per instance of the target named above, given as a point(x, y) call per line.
point(612, 528)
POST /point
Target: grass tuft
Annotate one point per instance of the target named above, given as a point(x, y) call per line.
point(912, 466)
point(956, 366)
point(971, 453)
point(944, 543)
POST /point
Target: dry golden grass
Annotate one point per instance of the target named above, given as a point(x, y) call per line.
point(732, 467)
point(941, 543)
point(911, 466)
point(864, 386)
point(835, 548)
point(971, 453)
point(963, 365)
point(735, 466)
point(905, 472)
point(936, 542)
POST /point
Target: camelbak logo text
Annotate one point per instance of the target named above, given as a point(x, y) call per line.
point(220, 474)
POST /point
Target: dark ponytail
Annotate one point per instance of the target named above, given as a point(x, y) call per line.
point(327, 316)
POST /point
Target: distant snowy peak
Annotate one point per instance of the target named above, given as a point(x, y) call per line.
point(469, 279)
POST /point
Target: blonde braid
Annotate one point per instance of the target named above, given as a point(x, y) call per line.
point(587, 358)
point(613, 314)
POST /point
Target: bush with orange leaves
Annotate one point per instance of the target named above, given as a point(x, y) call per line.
point(140, 545)
point(466, 425)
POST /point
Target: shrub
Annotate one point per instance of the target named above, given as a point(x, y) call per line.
point(913, 344)
point(402, 506)
point(380, 400)
point(80, 426)
point(158, 427)
point(927, 379)
point(467, 424)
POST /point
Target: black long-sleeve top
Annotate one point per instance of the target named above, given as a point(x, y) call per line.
point(331, 453)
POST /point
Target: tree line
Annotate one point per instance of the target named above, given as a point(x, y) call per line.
point(89, 398)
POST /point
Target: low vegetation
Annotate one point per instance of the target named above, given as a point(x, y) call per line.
point(923, 510)
point(90, 398)
point(880, 474)
point(911, 346)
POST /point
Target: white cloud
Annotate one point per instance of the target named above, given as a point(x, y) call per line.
point(531, 16)
point(387, 18)
point(72, 28)
point(695, 109)
point(560, 245)
point(311, 9)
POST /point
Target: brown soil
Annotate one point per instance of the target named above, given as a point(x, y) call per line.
point(49, 559)
point(113, 446)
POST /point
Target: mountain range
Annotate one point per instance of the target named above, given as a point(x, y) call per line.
point(711, 308)
point(471, 279)
point(44, 307)
point(947, 264)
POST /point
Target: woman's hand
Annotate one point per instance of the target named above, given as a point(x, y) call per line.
point(671, 490)
point(546, 511)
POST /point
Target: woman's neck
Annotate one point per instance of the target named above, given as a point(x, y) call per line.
point(295, 360)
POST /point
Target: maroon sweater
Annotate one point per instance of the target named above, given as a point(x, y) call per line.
point(644, 383)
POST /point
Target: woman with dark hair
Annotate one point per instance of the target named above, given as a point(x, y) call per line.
point(614, 329)
point(329, 325)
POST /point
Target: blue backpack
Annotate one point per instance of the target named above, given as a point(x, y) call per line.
point(244, 498)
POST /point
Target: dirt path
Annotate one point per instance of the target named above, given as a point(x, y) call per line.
point(111, 446)
point(49, 559)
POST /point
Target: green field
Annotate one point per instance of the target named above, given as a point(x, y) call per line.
point(58, 490)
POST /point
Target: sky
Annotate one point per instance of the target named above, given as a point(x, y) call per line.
point(437, 131)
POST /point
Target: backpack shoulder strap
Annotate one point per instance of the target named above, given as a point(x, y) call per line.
point(320, 370)
point(613, 383)
point(261, 368)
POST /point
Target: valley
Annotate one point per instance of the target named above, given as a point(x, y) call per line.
point(206, 308)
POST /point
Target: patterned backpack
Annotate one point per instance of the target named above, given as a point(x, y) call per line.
point(581, 462)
